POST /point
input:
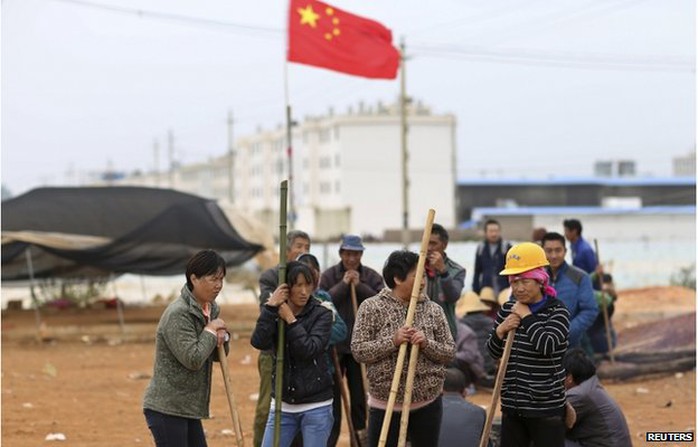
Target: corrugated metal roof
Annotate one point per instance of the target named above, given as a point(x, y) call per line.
point(580, 210)
point(579, 181)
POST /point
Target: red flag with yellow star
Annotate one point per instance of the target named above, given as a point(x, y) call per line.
point(324, 36)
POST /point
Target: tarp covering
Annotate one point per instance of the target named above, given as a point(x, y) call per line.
point(89, 231)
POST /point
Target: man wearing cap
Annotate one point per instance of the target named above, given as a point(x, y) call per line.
point(573, 287)
point(297, 243)
point(445, 278)
point(339, 280)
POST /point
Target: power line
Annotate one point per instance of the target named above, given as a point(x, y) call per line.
point(257, 31)
point(450, 51)
point(522, 56)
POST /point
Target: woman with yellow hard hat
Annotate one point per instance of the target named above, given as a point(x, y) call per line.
point(533, 394)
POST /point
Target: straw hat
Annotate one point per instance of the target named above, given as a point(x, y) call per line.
point(487, 294)
point(470, 302)
point(504, 296)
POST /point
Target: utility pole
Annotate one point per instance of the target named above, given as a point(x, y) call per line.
point(231, 159)
point(156, 159)
point(404, 100)
point(170, 144)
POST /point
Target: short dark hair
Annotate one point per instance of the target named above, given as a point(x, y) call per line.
point(440, 231)
point(454, 380)
point(399, 264)
point(553, 236)
point(579, 365)
point(294, 269)
point(293, 235)
point(573, 224)
point(205, 262)
point(491, 222)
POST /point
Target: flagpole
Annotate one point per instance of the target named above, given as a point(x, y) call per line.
point(403, 143)
point(289, 146)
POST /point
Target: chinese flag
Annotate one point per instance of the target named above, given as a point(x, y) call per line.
point(324, 36)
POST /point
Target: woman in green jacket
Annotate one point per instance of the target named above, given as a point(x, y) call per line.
point(188, 334)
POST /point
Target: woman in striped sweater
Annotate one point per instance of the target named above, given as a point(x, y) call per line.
point(533, 393)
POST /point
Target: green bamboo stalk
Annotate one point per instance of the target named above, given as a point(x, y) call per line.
point(278, 384)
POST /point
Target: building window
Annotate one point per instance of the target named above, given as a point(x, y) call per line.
point(324, 188)
point(336, 186)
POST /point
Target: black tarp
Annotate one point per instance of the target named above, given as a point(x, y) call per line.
point(88, 231)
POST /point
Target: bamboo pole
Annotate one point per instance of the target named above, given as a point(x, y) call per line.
point(362, 366)
point(484, 439)
point(604, 307)
point(395, 385)
point(223, 360)
point(344, 391)
point(278, 390)
point(407, 400)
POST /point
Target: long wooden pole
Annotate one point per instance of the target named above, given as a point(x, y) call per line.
point(395, 385)
point(281, 341)
point(604, 307)
point(344, 391)
point(35, 300)
point(223, 360)
point(497, 388)
point(362, 366)
point(407, 400)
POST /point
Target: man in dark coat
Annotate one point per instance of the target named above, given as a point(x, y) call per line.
point(339, 280)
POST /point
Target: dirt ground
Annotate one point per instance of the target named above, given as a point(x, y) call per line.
point(87, 381)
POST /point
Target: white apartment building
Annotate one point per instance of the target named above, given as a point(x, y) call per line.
point(347, 172)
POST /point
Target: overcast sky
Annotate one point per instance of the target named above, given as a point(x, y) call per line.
point(539, 87)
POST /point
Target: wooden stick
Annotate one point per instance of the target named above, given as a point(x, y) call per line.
point(281, 340)
point(395, 385)
point(362, 366)
point(604, 307)
point(223, 360)
point(344, 390)
point(407, 400)
point(497, 388)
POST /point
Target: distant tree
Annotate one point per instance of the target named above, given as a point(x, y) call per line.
point(686, 277)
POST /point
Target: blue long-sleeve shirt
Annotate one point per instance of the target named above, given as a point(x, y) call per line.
point(573, 287)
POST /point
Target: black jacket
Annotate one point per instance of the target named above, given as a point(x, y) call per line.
point(307, 377)
point(487, 267)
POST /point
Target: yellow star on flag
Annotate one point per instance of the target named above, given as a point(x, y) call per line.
point(308, 16)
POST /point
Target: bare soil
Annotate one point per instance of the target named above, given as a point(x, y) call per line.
point(86, 379)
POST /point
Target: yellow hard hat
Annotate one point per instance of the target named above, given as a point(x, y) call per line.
point(524, 257)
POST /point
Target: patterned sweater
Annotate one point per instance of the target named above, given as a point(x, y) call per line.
point(378, 319)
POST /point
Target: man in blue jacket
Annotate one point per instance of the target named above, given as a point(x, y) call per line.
point(573, 287)
point(583, 255)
